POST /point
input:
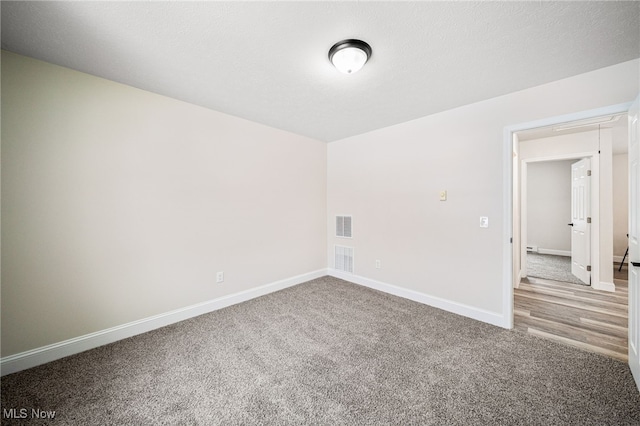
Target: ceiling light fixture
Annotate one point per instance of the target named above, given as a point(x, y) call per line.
point(349, 56)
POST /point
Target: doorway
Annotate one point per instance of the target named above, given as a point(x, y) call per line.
point(549, 247)
point(594, 139)
point(600, 151)
point(555, 214)
point(576, 146)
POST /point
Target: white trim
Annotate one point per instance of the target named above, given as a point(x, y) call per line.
point(437, 302)
point(517, 283)
point(507, 191)
point(524, 217)
point(582, 115)
point(603, 286)
point(507, 232)
point(596, 179)
point(14, 363)
point(560, 157)
point(554, 252)
point(619, 259)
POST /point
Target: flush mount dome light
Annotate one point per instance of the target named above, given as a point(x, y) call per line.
point(348, 56)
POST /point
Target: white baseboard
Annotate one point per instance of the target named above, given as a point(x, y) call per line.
point(34, 357)
point(604, 286)
point(568, 254)
point(437, 302)
point(555, 252)
point(619, 259)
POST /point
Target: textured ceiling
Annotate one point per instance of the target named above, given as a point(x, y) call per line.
point(267, 62)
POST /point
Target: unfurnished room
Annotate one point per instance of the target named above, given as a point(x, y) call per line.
point(320, 212)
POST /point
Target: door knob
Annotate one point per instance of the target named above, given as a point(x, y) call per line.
point(570, 224)
point(636, 264)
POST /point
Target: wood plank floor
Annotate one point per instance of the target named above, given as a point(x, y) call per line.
point(574, 314)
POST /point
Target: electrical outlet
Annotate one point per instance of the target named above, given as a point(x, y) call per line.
point(443, 195)
point(377, 264)
point(219, 277)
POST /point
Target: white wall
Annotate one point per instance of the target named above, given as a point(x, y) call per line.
point(119, 204)
point(389, 180)
point(620, 205)
point(549, 205)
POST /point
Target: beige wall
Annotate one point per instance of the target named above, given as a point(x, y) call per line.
point(119, 204)
point(389, 181)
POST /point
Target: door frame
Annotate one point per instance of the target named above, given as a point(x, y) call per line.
point(633, 246)
point(594, 240)
point(507, 192)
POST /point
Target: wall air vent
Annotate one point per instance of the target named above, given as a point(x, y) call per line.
point(344, 259)
point(343, 226)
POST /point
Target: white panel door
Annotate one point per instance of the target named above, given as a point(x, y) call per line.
point(580, 220)
point(634, 241)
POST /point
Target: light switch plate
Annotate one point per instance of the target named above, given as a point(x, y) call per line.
point(484, 222)
point(443, 195)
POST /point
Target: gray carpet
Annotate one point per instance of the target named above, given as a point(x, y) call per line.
point(551, 267)
point(330, 352)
